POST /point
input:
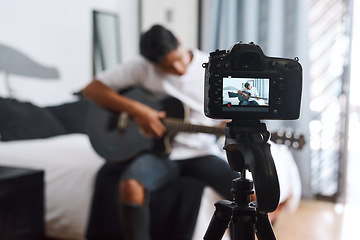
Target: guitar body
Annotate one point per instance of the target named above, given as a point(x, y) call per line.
point(248, 98)
point(242, 97)
point(121, 144)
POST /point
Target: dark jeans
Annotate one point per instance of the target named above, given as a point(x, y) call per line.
point(174, 207)
point(154, 172)
point(249, 103)
point(212, 170)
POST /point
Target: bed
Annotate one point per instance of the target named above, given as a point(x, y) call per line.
point(71, 165)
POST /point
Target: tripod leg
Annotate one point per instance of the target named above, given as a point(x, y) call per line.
point(264, 227)
point(219, 221)
point(243, 226)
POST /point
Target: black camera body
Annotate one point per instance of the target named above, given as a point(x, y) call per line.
point(243, 83)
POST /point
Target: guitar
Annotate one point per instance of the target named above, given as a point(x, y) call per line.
point(288, 138)
point(117, 138)
point(248, 96)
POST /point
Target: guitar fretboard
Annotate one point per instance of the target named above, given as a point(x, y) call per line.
point(176, 125)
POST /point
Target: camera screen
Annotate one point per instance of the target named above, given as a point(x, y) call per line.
point(246, 94)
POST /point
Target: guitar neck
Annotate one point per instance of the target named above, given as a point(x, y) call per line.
point(176, 125)
point(258, 98)
point(290, 139)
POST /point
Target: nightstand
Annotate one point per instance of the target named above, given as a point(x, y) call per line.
point(21, 203)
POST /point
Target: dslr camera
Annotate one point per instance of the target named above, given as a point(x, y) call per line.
point(243, 83)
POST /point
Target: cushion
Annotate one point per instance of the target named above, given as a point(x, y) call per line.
point(71, 115)
point(23, 120)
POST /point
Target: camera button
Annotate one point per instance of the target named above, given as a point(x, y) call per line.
point(281, 86)
point(273, 64)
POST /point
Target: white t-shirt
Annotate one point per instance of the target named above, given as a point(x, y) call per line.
point(253, 91)
point(188, 88)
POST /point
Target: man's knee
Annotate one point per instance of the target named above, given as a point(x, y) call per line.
point(131, 191)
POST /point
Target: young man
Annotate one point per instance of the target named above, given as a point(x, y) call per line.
point(165, 68)
point(247, 91)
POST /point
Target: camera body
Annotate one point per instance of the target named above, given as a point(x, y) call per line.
point(243, 83)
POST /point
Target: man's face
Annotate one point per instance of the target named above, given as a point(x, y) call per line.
point(176, 62)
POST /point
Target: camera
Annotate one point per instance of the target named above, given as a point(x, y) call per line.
point(243, 83)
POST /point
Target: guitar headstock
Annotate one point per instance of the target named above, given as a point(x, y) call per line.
point(289, 138)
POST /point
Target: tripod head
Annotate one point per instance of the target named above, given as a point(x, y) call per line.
point(247, 148)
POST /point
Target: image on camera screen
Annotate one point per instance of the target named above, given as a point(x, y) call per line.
point(246, 94)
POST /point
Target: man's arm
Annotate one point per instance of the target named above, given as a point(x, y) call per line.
point(242, 93)
point(147, 118)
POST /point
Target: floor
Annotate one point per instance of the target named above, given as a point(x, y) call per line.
point(319, 220)
point(323, 220)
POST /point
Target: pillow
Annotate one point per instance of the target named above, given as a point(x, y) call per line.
point(23, 120)
point(71, 115)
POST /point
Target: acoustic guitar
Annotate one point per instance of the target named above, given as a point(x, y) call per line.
point(248, 96)
point(117, 138)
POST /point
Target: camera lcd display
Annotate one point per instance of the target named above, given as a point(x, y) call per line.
point(245, 94)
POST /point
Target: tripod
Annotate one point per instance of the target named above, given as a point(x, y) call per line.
point(247, 149)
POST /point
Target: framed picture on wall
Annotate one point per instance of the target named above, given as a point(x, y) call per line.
point(106, 46)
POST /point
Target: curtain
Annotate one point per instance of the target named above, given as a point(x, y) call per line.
point(280, 28)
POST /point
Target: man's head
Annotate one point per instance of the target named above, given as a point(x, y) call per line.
point(160, 46)
point(247, 86)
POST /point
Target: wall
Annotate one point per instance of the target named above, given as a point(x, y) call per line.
point(180, 17)
point(58, 34)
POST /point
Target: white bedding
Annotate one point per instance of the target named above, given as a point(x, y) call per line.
point(71, 164)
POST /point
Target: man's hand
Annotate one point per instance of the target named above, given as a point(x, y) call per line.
point(144, 116)
point(149, 120)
